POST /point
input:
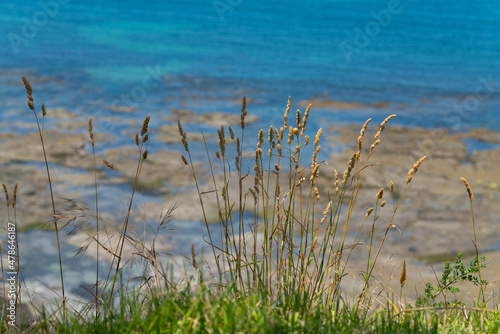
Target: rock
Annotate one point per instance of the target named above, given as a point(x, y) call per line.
point(330, 104)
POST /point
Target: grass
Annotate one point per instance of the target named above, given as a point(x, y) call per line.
point(280, 271)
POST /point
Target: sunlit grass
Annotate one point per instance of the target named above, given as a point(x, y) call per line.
point(279, 271)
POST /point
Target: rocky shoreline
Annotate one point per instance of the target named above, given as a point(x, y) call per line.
point(434, 216)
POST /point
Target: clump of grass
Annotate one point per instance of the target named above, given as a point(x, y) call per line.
point(294, 251)
point(280, 270)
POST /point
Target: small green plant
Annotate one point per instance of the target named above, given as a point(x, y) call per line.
point(450, 277)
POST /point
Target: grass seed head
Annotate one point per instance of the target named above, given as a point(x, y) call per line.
point(30, 104)
point(44, 112)
point(285, 116)
point(6, 194)
point(145, 125)
point(193, 258)
point(336, 183)
point(243, 111)
point(362, 134)
point(369, 212)
point(183, 135)
point(467, 186)
point(347, 172)
point(91, 133)
point(14, 196)
point(108, 164)
point(261, 138)
point(145, 155)
point(270, 134)
point(380, 194)
point(318, 136)
point(304, 119)
point(27, 86)
point(392, 186)
point(184, 160)
point(231, 133)
point(325, 213)
point(402, 277)
point(222, 141)
point(382, 125)
point(375, 144)
point(316, 193)
point(414, 169)
point(299, 119)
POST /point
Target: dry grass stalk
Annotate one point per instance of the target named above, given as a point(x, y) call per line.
point(469, 191)
point(29, 91)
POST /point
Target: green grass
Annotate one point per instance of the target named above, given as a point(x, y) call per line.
point(281, 272)
point(202, 311)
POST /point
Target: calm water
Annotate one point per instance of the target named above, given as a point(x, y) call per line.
point(422, 58)
point(437, 63)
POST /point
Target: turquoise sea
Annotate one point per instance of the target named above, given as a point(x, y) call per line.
point(435, 63)
point(422, 57)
